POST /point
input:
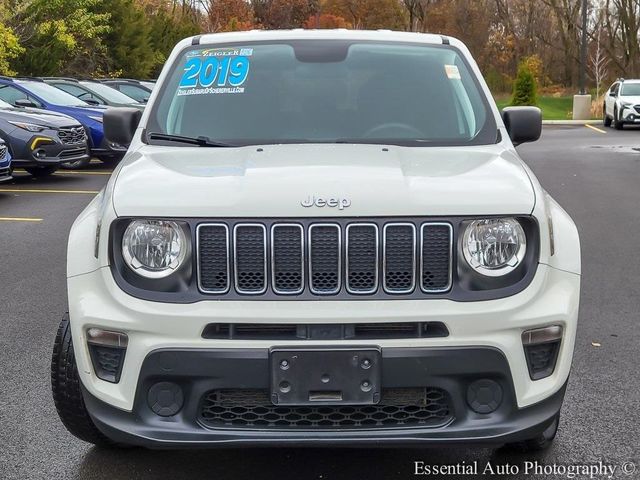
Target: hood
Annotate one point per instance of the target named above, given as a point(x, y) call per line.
point(37, 117)
point(274, 181)
point(633, 99)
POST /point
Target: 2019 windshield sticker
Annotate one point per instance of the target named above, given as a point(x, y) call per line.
point(215, 71)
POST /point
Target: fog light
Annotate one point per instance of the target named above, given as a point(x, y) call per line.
point(165, 399)
point(541, 347)
point(40, 154)
point(484, 396)
point(107, 350)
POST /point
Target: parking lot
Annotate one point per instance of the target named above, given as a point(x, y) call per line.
point(593, 173)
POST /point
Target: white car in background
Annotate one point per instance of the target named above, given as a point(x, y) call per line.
point(622, 103)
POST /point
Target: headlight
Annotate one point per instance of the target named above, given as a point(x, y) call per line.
point(96, 118)
point(154, 248)
point(625, 104)
point(31, 127)
point(494, 247)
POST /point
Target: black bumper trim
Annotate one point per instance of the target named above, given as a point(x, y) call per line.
point(198, 371)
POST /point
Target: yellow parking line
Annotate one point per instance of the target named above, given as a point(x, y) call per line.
point(34, 190)
point(19, 219)
point(594, 128)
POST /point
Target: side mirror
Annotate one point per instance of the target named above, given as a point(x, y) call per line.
point(24, 102)
point(120, 124)
point(612, 94)
point(524, 124)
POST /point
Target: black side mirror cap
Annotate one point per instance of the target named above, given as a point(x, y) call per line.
point(24, 102)
point(120, 124)
point(524, 124)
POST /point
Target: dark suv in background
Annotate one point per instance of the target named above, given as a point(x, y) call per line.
point(40, 141)
point(5, 162)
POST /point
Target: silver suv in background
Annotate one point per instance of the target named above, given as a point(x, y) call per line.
point(622, 103)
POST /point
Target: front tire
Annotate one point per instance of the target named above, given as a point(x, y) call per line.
point(39, 172)
point(606, 119)
point(617, 124)
point(67, 395)
point(539, 443)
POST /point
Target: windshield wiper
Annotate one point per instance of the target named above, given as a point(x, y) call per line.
point(201, 141)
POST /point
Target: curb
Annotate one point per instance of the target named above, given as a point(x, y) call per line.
point(571, 122)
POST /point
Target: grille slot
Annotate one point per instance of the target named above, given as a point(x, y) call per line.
point(213, 257)
point(362, 258)
point(287, 258)
point(250, 248)
point(324, 258)
point(399, 245)
point(436, 243)
point(307, 331)
point(399, 407)
point(3, 152)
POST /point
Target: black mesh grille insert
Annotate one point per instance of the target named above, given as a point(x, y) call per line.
point(541, 359)
point(287, 258)
point(399, 251)
point(362, 258)
point(436, 257)
point(324, 258)
point(107, 362)
point(250, 251)
point(399, 407)
point(213, 261)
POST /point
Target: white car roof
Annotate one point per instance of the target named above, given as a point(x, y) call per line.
point(339, 34)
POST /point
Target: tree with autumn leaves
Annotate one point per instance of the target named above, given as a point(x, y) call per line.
point(133, 38)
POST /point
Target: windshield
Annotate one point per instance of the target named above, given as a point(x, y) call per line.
point(53, 95)
point(324, 91)
point(4, 104)
point(109, 94)
point(630, 90)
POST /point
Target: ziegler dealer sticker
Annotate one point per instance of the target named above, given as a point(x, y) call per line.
point(452, 72)
point(215, 71)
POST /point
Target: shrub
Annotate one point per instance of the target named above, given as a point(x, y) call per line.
point(524, 87)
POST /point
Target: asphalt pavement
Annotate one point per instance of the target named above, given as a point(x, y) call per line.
point(593, 172)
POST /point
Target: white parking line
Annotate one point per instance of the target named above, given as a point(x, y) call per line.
point(19, 219)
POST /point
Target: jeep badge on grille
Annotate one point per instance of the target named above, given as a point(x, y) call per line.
point(332, 202)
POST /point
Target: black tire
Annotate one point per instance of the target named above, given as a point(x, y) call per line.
point(67, 395)
point(606, 119)
point(617, 124)
point(539, 443)
point(75, 164)
point(41, 171)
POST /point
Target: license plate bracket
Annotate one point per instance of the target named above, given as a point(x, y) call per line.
point(318, 376)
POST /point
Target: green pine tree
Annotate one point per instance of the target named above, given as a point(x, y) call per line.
point(524, 87)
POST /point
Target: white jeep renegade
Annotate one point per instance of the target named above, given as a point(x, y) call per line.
point(319, 238)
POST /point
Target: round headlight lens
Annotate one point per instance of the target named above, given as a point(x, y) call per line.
point(154, 248)
point(494, 247)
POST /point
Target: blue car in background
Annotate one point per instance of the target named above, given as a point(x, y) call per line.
point(5, 162)
point(34, 93)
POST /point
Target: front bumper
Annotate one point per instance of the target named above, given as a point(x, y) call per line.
point(200, 371)
point(51, 152)
point(96, 301)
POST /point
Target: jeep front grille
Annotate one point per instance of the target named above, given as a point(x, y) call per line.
point(323, 259)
